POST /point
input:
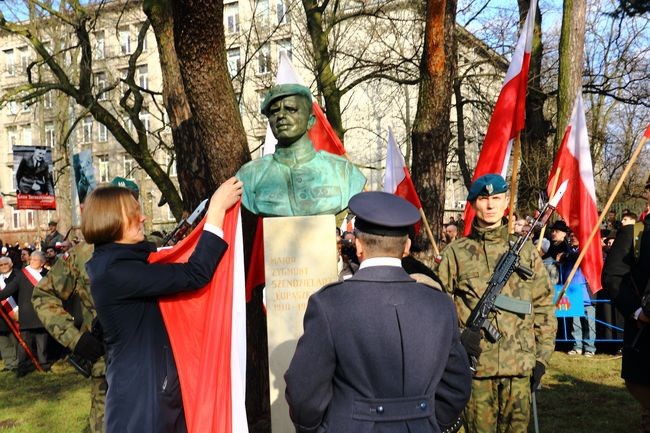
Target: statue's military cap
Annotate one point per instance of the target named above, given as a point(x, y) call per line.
point(381, 213)
point(282, 90)
point(487, 185)
point(128, 184)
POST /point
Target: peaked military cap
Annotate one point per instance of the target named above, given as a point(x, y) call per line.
point(487, 185)
point(381, 213)
point(282, 90)
point(128, 184)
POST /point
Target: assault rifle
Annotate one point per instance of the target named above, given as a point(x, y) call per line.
point(506, 266)
point(185, 225)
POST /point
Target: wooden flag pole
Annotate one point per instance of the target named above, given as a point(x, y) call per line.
point(556, 178)
point(619, 184)
point(428, 229)
point(513, 182)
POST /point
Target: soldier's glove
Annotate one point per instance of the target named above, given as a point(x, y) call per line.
point(536, 379)
point(471, 341)
point(89, 347)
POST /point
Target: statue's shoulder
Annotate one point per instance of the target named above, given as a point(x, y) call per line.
point(254, 166)
point(334, 158)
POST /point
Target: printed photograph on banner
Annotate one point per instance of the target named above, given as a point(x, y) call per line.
point(84, 173)
point(34, 180)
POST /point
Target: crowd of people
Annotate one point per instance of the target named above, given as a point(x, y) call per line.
point(382, 349)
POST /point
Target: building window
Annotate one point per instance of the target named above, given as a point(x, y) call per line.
point(170, 164)
point(234, 61)
point(47, 100)
point(24, 58)
point(231, 17)
point(262, 12)
point(27, 135)
point(128, 167)
point(100, 45)
point(124, 73)
point(284, 46)
point(49, 134)
point(13, 107)
point(87, 129)
point(103, 171)
point(30, 219)
point(264, 59)
point(125, 40)
point(144, 118)
point(12, 136)
point(282, 12)
point(100, 84)
point(15, 219)
point(143, 77)
point(10, 62)
point(102, 133)
point(144, 39)
point(128, 124)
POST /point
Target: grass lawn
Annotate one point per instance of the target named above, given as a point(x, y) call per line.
point(579, 395)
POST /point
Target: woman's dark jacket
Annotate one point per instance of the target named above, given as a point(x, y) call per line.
point(143, 388)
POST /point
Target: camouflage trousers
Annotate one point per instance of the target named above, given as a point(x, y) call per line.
point(499, 405)
point(98, 389)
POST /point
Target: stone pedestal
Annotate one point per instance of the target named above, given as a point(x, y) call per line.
point(299, 258)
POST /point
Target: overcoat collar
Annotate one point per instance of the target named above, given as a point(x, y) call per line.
point(382, 273)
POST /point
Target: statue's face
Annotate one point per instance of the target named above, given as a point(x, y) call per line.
point(289, 118)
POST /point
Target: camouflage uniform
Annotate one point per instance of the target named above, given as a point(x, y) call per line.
point(500, 399)
point(68, 277)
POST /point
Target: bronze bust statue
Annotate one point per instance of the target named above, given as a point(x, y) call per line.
point(296, 179)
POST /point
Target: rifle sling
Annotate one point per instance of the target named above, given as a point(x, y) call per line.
point(513, 305)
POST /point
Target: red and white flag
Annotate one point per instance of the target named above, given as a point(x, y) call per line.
point(397, 179)
point(207, 330)
point(578, 207)
point(509, 112)
point(321, 134)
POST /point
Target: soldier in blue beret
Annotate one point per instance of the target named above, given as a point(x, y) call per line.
point(510, 368)
point(380, 352)
point(296, 179)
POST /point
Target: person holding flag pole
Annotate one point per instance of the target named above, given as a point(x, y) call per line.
point(626, 276)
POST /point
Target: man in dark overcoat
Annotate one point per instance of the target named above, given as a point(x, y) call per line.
point(626, 276)
point(32, 330)
point(380, 352)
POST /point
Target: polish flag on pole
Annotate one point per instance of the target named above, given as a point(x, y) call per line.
point(509, 112)
point(578, 209)
point(207, 330)
point(322, 135)
point(397, 179)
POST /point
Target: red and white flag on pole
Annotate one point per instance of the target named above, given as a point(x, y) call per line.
point(509, 112)
point(578, 207)
point(322, 135)
point(207, 330)
point(397, 179)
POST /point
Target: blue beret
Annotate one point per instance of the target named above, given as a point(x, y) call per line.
point(282, 90)
point(488, 184)
point(382, 213)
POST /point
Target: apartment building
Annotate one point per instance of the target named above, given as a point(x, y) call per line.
point(257, 32)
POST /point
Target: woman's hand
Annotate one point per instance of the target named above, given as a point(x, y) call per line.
point(223, 199)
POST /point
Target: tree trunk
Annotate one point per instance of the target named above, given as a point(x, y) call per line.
point(572, 45)
point(325, 78)
point(536, 157)
point(213, 143)
point(431, 130)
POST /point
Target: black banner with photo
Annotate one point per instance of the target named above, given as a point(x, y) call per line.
point(34, 180)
